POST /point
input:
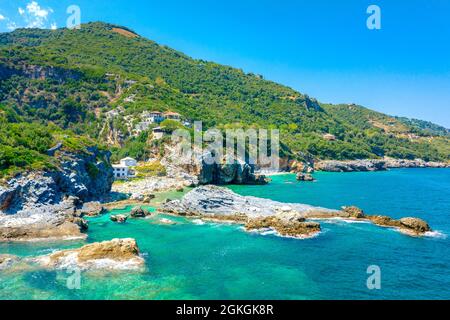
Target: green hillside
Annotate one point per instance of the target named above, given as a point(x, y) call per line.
point(73, 78)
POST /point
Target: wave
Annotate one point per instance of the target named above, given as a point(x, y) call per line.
point(436, 234)
point(198, 222)
point(272, 232)
point(336, 220)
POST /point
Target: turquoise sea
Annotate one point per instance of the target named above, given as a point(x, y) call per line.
point(213, 261)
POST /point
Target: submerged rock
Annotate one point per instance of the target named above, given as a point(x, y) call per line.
point(7, 261)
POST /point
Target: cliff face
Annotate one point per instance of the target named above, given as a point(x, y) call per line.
point(38, 72)
point(84, 176)
point(231, 171)
point(47, 204)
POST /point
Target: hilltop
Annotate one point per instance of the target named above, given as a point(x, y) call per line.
point(98, 81)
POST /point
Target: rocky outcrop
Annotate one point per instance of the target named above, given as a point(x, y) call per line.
point(375, 165)
point(201, 167)
point(351, 166)
point(414, 225)
point(47, 204)
point(418, 163)
point(230, 171)
point(49, 222)
point(410, 226)
point(139, 212)
point(353, 212)
point(117, 254)
point(221, 204)
point(297, 228)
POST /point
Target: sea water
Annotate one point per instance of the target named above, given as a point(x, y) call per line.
point(192, 260)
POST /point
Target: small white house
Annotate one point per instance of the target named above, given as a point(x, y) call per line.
point(121, 172)
point(124, 169)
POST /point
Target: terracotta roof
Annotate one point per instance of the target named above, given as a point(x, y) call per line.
point(170, 113)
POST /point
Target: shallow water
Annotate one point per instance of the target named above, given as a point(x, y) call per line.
point(213, 261)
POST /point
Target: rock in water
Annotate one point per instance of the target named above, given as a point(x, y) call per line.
point(305, 177)
point(409, 226)
point(354, 212)
point(298, 229)
point(139, 212)
point(117, 254)
point(7, 261)
point(415, 225)
point(119, 218)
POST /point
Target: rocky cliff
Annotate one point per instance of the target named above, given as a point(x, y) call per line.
point(44, 204)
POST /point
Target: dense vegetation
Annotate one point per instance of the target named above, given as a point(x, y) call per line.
point(72, 80)
point(24, 146)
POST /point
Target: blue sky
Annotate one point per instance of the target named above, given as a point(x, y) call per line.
point(321, 47)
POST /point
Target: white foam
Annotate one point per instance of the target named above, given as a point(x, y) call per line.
point(436, 234)
point(198, 222)
point(336, 220)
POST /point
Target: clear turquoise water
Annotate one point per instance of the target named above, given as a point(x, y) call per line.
point(211, 261)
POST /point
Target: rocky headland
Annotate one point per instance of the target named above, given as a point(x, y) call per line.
point(294, 220)
point(50, 205)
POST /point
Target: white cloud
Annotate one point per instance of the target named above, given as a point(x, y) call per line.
point(35, 9)
point(54, 26)
point(34, 15)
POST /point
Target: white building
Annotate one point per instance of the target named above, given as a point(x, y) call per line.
point(124, 170)
point(121, 172)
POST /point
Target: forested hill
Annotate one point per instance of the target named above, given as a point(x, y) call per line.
point(97, 81)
